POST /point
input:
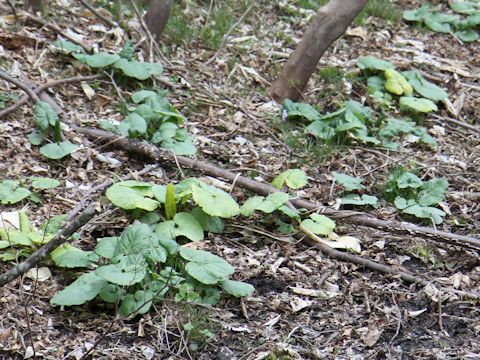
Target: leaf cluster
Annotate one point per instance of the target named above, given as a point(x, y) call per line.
point(13, 191)
point(48, 123)
point(416, 197)
point(463, 25)
point(154, 119)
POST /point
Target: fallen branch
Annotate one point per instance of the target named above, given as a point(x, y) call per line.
point(56, 29)
point(46, 249)
point(351, 217)
point(44, 87)
point(98, 15)
point(31, 94)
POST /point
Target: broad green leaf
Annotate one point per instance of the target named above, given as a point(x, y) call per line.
point(132, 125)
point(25, 224)
point(467, 35)
point(84, 289)
point(135, 240)
point(409, 180)
point(425, 212)
point(464, 7)
point(69, 256)
point(432, 192)
point(53, 224)
point(138, 303)
point(129, 198)
point(35, 138)
point(44, 183)
point(396, 83)
point(425, 88)
point(321, 130)
point(67, 46)
point(111, 293)
point(437, 26)
point(418, 14)
point(45, 116)
point(272, 202)
point(293, 178)
point(372, 63)
point(291, 213)
point(107, 246)
point(420, 105)
point(265, 204)
point(301, 110)
point(354, 199)
point(376, 83)
point(122, 274)
point(249, 206)
point(209, 223)
point(188, 226)
point(141, 95)
point(138, 70)
point(183, 148)
point(214, 201)
point(14, 237)
point(205, 267)
point(100, 60)
point(166, 230)
point(59, 150)
point(11, 192)
point(237, 288)
point(350, 183)
point(318, 224)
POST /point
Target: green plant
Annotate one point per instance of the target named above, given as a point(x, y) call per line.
point(153, 118)
point(462, 27)
point(340, 127)
point(395, 129)
point(416, 197)
point(351, 183)
point(47, 122)
point(24, 240)
point(12, 191)
point(5, 98)
point(384, 81)
point(147, 261)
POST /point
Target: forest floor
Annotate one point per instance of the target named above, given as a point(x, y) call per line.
point(354, 313)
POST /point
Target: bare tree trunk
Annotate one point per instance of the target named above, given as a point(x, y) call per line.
point(33, 5)
point(158, 12)
point(330, 22)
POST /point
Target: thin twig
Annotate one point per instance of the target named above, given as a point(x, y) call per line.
point(46, 249)
point(148, 33)
point(98, 15)
point(57, 30)
point(20, 85)
point(227, 34)
point(14, 9)
point(44, 87)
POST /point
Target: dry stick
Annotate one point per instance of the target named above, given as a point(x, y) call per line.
point(20, 85)
point(45, 86)
point(97, 14)
point(351, 217)
point(225, 37)
point(57, 30)
point(46, 249)
point(457, 122)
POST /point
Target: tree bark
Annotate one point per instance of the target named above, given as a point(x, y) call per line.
point(330, 22)
point(33, 5)
point(158, 12)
